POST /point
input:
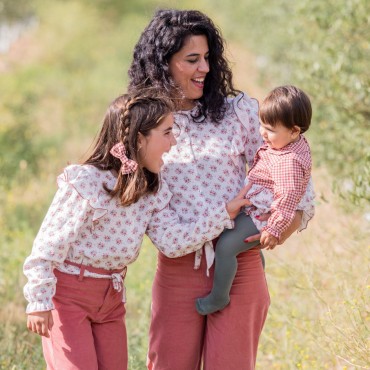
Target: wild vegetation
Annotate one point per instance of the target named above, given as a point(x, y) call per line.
point(60, 75)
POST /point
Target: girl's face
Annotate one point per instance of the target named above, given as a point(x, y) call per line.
point(189, 67)
point(278, 136)
point(153, 146)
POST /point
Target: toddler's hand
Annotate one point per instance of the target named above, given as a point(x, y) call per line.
point(40, 322)
point(268, 241)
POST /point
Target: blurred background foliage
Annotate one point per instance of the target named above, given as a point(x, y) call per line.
point(324, 47)
point(69, 59)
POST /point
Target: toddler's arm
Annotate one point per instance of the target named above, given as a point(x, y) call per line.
point(40, 322)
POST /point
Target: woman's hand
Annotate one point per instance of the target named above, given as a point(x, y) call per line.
point(284, 235)
point(40, 322)
point(293, 227)
point(233, 207)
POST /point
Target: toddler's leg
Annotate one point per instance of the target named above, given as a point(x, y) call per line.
point(230, 244)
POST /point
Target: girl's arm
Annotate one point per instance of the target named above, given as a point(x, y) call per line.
point(50, 248)
point(175, 238)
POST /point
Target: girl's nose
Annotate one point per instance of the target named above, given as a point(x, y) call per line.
point(173, 140)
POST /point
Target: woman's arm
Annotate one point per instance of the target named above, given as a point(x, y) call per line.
point(294, 226)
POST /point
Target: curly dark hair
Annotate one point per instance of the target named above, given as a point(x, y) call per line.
point(162, 38)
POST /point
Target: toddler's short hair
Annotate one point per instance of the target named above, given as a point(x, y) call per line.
point(287, 105)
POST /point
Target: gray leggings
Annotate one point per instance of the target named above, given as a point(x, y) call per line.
point(229, 245)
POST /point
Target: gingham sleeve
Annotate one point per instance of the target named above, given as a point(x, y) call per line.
point(289, 187)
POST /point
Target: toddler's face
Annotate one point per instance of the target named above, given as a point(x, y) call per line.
point(278, 136)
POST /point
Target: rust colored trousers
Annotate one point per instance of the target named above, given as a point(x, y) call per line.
point(181, 339)
point(89, 331)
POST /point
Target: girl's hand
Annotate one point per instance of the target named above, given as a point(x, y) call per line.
point(40, 322)
point(233, 207)
point(268, 241)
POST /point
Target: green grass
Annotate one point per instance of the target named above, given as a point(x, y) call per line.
point(55, 86)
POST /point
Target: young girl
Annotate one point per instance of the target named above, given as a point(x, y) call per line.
point(277, 182)
point(94, 229)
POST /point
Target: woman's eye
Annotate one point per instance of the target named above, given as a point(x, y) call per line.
point(192, 61)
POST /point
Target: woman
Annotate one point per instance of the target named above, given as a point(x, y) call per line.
point(217, 132)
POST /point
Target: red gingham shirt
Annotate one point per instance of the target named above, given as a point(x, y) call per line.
point(286, 173)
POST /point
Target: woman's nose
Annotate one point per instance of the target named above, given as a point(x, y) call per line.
point(204, 66)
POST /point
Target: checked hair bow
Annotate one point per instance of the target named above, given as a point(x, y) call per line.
point(128, 165)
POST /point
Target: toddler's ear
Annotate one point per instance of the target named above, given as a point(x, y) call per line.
point(296, 130)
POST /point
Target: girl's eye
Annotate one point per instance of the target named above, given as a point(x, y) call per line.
point(192, 61)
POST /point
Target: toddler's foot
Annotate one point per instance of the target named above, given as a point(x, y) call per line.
point(207, 305)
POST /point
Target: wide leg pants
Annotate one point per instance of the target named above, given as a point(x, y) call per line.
point(89, 331)
point(181, 339)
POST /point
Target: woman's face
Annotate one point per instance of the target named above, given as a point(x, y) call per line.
point(189, 67)
point(153, 146)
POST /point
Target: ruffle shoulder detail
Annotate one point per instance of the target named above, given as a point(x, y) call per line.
point(246, 109)
point(88, 181)
point(246, 138)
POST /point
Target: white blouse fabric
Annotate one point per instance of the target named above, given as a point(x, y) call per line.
point(85, 225)
point(209, 162)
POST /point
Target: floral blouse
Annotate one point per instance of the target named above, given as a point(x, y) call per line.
point(85, 225)
point(209, 162)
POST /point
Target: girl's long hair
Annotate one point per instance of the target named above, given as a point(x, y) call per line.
point(126, 117)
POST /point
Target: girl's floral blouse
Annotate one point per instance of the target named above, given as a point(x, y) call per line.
point(209, 161)
point(86, 226)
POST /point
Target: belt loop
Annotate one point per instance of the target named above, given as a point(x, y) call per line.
point(82, 271)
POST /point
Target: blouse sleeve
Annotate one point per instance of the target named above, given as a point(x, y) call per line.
point(58, 230)
point(175, 238)
point(307, 205)
point(246, 110)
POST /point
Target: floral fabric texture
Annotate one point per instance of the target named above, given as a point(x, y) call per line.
point(208, 164)
point(85, 225)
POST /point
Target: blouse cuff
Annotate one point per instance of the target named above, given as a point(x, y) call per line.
point(39, 307)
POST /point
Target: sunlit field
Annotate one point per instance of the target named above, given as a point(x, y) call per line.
point(59, 75)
